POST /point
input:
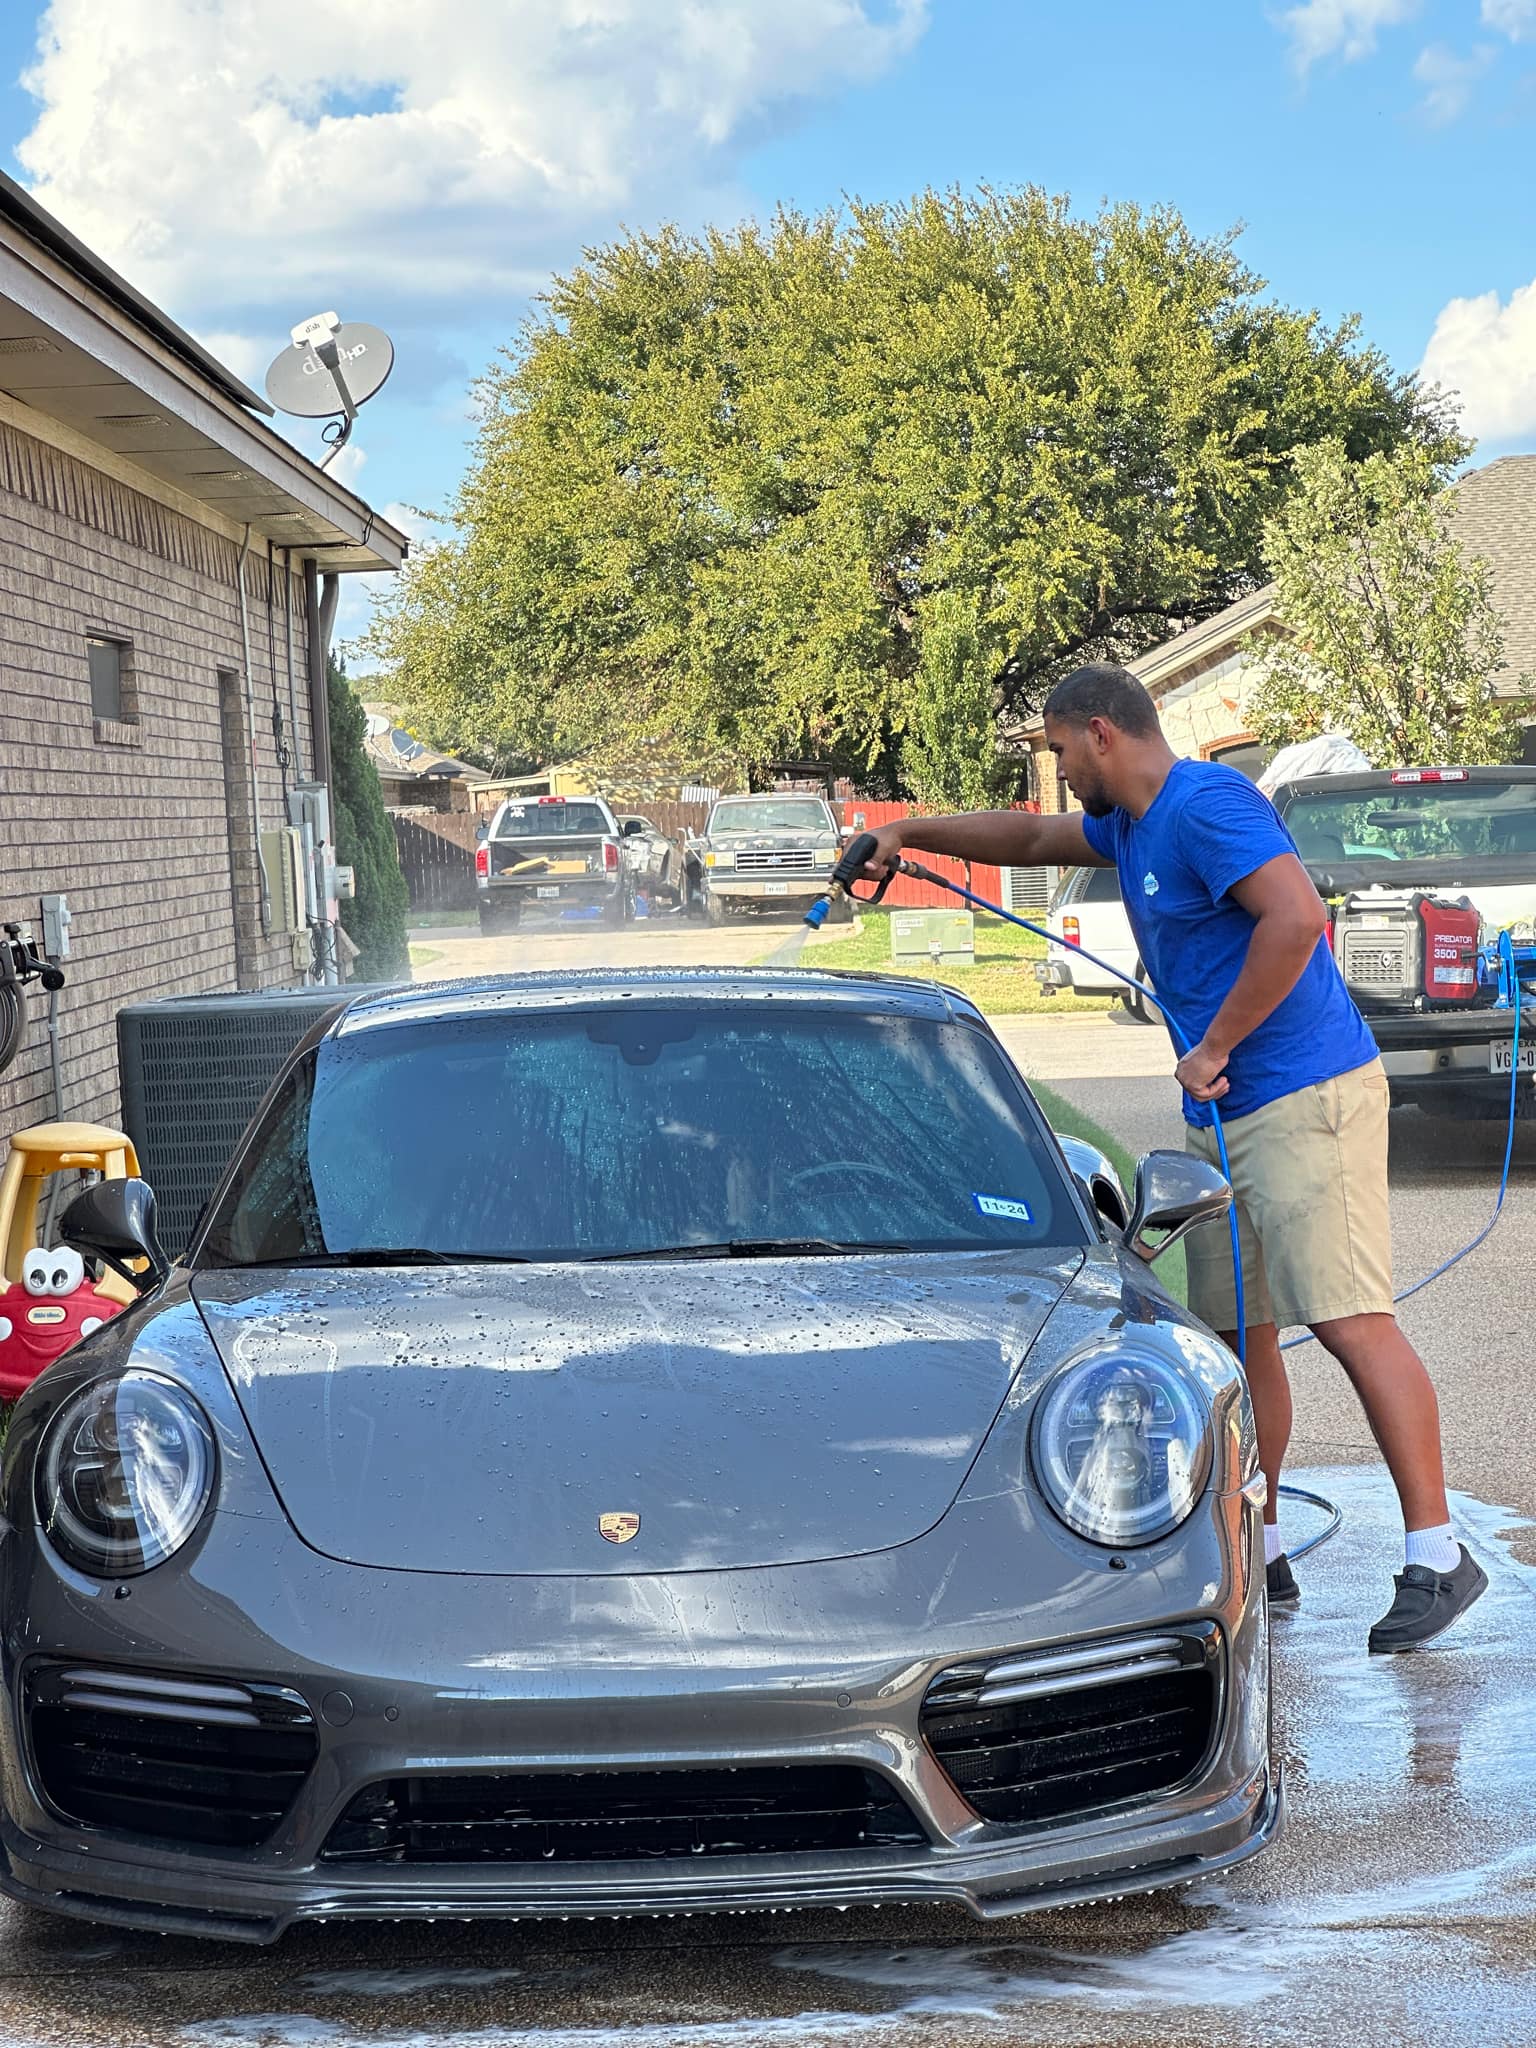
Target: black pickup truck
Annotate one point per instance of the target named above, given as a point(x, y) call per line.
point(1422, 868)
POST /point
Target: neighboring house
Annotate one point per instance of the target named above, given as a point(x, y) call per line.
point(1203, 681)
point(167, 576)
point(414, 775)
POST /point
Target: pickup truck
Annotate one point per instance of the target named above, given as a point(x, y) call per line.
point(1421, 868)
point(552, 853)
point(774, 850)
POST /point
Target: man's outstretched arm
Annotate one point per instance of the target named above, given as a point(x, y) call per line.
point(1003, 839)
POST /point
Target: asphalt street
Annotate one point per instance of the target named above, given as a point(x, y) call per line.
point(1399, 1907)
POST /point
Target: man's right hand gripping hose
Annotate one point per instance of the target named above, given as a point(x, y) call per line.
point(850, 868)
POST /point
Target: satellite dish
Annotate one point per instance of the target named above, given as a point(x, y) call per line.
point(331, 367)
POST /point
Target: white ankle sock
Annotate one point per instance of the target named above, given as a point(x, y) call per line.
point(1273, 1547)
point(1436, 1548)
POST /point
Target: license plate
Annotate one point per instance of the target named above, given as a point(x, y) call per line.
point(545, 890)
point(1501, 1057)
point(776, 889)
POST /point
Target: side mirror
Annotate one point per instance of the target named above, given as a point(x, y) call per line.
point(632, 826)
point(1096, 1177)
point(1174, 1191)
point(115, 1222)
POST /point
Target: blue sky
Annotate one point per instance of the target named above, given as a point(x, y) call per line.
point(248, 162)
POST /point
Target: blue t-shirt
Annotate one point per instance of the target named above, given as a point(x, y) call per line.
point(1209, 828)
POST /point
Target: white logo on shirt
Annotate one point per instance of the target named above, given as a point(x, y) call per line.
point(1149, 884)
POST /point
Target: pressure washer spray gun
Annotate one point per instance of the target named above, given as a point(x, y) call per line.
point(859, 853)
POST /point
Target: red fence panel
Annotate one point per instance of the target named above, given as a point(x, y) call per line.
point(904, 893)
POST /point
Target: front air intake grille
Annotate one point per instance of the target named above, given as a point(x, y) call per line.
point(791, 860)
point(180, 1759)
point(1045, 1736)
point(623, 1816)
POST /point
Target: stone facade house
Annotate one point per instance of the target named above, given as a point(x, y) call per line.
point(1202, 680)
point(168, 567)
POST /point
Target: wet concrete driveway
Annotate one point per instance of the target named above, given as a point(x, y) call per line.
point(1400, 1907)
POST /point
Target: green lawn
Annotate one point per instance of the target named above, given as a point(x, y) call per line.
point(1000, 982)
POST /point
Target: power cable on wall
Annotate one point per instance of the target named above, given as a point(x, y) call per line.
point(279, 739)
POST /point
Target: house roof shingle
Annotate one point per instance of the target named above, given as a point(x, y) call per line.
point(1493, 514)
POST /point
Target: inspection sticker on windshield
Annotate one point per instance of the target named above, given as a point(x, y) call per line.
point(999, 1205)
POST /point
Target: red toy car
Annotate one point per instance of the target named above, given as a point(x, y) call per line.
point(44, 1313)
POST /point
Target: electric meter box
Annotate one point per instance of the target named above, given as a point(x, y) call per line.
point(948, 936)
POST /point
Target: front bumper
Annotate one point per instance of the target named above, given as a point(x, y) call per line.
point(420, 1674)
point(799, 886)
point(260, 1905)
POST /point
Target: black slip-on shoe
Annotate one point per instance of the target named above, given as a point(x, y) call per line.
point(1281, 1580)
point(1427, 1602)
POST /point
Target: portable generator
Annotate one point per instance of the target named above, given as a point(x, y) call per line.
point(1404, 950)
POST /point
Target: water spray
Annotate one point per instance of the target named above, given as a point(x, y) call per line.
point(864, 849)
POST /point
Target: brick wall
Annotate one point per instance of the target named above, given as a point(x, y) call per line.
point(142, 823)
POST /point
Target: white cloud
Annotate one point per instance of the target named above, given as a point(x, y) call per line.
point(1346, 29)
point(1485, 350)
point(1514, 18)
point(1448, 80)
point(237, 152)
point(347, 464)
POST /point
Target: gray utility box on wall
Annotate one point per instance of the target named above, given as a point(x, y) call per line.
point(194, 1070)
point(947, 936)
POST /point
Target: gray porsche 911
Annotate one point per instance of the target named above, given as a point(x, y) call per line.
point(656, 1445)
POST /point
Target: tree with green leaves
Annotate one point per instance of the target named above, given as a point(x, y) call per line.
point(374, 919)
point(721, 480)
point(1388, 630)
point(949, 757)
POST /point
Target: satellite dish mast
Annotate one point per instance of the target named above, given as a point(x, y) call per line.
point(331, 368)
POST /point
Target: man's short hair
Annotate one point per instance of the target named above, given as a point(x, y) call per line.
point(1102, 689)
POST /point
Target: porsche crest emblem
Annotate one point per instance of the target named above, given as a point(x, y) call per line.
point(618, 1528)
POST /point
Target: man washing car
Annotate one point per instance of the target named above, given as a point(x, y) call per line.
point(1232, 934)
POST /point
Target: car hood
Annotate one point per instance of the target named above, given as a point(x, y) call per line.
point(786, 835)
point(764, 1412)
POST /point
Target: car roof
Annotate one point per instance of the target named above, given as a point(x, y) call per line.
point(602, 988)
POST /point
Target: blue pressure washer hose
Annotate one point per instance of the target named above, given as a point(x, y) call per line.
point(851, 867)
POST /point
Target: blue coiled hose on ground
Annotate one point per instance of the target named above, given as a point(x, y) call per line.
point(852, 866)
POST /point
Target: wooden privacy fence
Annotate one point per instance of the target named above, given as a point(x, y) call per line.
point(437, 856)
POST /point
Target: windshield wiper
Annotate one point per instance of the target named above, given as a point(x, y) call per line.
point(757, 1248)
point(385, 1255)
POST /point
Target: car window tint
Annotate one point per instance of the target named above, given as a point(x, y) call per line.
point(549, 820)
point(771, 815)
point(1102, 886)
point(1486, 819)
point(612, 1131)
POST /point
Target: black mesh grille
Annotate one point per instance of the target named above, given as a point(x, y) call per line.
point(179, 1759)
point(1071, 1751)
point(615, 1816)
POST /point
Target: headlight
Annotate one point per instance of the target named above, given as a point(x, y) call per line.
point(123, 1474)
point(719, 860)
point(1121, 1444)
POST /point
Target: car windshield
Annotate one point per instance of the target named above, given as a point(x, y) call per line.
point(771, 814)
point(619, 1131)
point(1486, 819)
point(549, 818)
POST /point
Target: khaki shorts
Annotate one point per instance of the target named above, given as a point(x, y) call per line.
point(1310, 1175)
